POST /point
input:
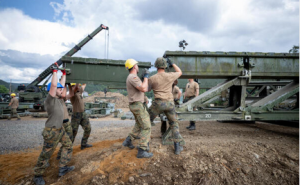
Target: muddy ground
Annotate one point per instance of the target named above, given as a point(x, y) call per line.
point(215, 153)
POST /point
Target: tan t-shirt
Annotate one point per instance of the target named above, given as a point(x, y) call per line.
point(134, 95)
point(55, 112)
point(77, 101)
point(66, 113)
point(14, 103)
point(191, 88)
point(175, 92)
point(161, 84)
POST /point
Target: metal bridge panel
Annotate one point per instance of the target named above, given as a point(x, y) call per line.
point(98, 71)
point(232, 64)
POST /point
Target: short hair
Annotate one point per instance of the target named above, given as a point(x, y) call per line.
point(130, 69)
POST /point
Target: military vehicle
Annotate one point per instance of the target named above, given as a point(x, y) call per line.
point(36, 93)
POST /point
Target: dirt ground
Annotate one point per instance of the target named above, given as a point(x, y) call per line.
point(120, 101)
point(215, 153)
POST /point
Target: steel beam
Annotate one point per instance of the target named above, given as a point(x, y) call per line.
point(267, 103)
point(241, 116)
point(197, 101)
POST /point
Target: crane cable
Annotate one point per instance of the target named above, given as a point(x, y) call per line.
point(106, 46)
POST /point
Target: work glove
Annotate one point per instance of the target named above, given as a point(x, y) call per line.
point(176, 100)
point(169, 62)
point(54, 67)
point(146, 73)
point(63, 71)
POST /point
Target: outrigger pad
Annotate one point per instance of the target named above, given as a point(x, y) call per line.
point(167, 138)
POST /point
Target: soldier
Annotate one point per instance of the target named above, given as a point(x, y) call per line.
point(161, 84)
point(142, 127)
point(191, 91)
point(79, 117)
point(14, 103)
point(66, 122)
point(54, 133)
point(176, 92)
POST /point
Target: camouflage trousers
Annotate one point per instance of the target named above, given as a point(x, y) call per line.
point(68, 128)
point(186, 100)
point(142, 125)
point(80, 118)
point(168, 108)
point(13, 112)
point(51, 138)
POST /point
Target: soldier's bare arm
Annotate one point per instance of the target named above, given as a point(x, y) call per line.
point(63, 78)
point(179, 94)
point(71, 92)
point(143, 87)
point(53, 87)
point(177, 69)
point(83, 87)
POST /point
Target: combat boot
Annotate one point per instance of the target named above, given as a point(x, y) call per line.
point(38, 180)
point(178, 148)
point(64, 170)
point(143, 154)
point(193, 126)
point(128, 143)
point(85, 146)
point(163, 127)
point(148, 148)
point(189, 125)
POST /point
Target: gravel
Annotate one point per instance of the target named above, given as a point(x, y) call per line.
point(22, 135)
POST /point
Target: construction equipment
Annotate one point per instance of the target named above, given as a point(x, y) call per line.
point(240, 68)
point(256, 82)
point(21, 110)
point(97, 109)
point(36, 93)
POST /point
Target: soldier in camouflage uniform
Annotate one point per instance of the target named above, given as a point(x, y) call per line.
point(54, 133)
point(79, 117)
point(161, 84)
point(191, 91)
point(176, 94)
point(14, 103)
point(142, 127)
point(66, 122)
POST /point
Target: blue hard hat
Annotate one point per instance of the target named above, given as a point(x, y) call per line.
point(58, 86)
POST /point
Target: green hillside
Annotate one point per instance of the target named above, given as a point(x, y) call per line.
point(14, 86)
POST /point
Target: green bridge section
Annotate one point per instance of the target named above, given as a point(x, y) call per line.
point(218, 65)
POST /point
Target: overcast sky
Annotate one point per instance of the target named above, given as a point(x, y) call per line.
point(36, 33)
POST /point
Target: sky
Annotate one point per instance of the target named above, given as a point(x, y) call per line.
point(36, 33)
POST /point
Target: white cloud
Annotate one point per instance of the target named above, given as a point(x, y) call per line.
point(249, 25)
point(18, 75)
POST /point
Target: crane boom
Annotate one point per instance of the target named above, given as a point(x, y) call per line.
point(76, 48)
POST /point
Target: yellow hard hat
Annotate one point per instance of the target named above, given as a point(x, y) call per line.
point(130, 63)
point(13, 94)
point(72, 84)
